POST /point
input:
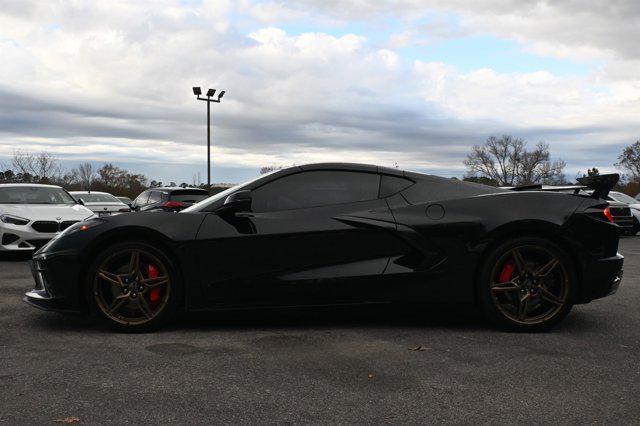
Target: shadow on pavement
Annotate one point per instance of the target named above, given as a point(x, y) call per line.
point(293, 318)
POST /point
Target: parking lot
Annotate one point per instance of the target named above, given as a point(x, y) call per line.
point(331, 365)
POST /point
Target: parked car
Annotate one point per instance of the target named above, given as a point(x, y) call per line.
point(101, 203)
point(327, 234)
point(31, 215)
point(126, 200)
point(634, 206)
point(168, 199)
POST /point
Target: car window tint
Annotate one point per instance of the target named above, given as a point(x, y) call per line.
point(315, 188)
point(390, 185)
point(155, 197)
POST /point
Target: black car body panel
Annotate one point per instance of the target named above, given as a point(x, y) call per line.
point(418, 239)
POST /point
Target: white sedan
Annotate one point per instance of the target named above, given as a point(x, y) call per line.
point(101, 203)
point(31, 214)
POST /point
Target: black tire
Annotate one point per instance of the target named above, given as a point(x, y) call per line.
point(499, 302)
point(98, 287)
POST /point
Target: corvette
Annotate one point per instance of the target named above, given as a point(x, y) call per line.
point(338, 233)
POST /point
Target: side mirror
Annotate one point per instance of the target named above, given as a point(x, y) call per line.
point(238, 202)
point(81, 201)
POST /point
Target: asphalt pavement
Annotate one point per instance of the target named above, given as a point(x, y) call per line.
point(322, 366)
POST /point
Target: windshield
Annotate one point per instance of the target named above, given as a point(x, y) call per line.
point(97, 198)
point(623, 198)
point(202, 205)
point(34, 195)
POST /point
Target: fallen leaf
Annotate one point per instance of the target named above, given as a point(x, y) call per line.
point(419, 348)
point(68, 420)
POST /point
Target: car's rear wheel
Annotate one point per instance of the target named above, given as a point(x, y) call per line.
point(133, 287)
point(527, 284)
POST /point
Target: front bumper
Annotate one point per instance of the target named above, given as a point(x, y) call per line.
point(56, 286)
point(22, 238)
point(601, 278)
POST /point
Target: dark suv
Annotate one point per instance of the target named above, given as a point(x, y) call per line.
point(168, 199)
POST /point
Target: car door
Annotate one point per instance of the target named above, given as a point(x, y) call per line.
point(314, 237)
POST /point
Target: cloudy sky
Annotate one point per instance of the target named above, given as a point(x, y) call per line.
point(412, 82)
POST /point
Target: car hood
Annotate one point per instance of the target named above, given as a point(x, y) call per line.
point(46, 212)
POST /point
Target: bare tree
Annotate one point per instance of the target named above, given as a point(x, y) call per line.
point(22, 162)
point(272, 168)
point(86, 175)
point(629, 161)
point(43, 166)
point(506, 161)
point(46, 166)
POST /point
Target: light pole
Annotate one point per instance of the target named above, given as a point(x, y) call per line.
point(208, 100)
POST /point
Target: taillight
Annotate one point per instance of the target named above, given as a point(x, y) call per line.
point(607, 214)
point(173, 204)
point(124, 210)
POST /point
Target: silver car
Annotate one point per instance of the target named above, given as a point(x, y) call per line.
point(101, 203)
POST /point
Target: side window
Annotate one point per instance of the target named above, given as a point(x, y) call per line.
point(155, 197)
point(141, 200)
point(390, 185)
point(315, 188)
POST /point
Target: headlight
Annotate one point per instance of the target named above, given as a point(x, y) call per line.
point(14, 220)
point(79, 226)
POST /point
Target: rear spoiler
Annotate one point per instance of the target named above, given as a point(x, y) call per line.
point(600, 184)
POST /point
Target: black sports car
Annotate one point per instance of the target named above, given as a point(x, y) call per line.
point(326, 234)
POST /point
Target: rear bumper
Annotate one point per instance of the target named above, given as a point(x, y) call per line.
point(601, 278)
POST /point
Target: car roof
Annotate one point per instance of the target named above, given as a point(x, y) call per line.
point(26, 185)
point(89, 192)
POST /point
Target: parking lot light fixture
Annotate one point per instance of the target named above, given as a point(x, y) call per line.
point(210, 93)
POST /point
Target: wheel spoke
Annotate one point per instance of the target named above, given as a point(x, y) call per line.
point(110, 277)
point(144, 307)
point(523, 308)
point(117, 303)
point(154, 282)
point(521, 266)
point(548, 268)
point(550, 297)
point(507, 286)
point(134, 263)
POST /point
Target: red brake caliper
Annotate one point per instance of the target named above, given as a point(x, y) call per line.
point(154, 294)
point(507, 271)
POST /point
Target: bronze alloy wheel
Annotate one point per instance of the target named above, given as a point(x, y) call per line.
point(131, 287)
point(529, 284)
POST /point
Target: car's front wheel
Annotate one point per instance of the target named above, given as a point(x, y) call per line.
point(133, 287)
point(527, 284)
